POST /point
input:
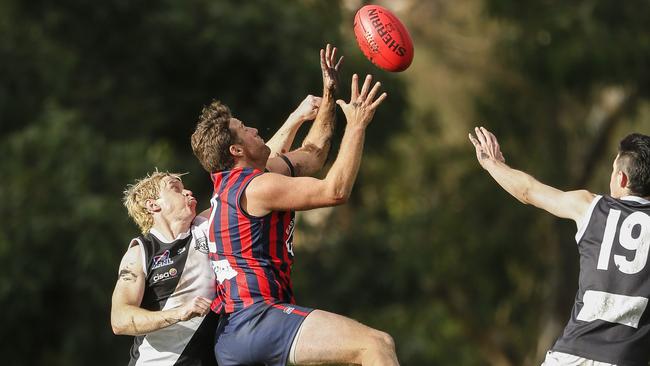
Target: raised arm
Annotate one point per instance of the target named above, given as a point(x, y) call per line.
point(127, 318)
point(270, 192)
point(569, 205)
point(281, 142)
point(311, 156)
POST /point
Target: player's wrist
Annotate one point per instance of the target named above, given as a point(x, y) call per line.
point(329, 91)
point(356, 127)
point(296, 119)
point(492, 163)
point(176, 315)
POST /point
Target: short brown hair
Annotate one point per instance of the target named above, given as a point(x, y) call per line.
point(212, 138)
point(137, 194)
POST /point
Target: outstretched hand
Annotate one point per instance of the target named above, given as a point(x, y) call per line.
point(487, 146)
point(362, 105)
point(330, 67)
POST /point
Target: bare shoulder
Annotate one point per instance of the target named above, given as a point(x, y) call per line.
point(578, 202)
point(131, 264)
point(266, 183)
point(134, 252)
point(275, 192)
point(581, 197)
point(131, 279)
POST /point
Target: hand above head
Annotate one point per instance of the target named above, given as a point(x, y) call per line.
point(308, 108)
point(487, 146)
point(362, 105)
point(330, 67)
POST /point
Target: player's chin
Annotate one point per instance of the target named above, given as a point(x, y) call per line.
point(192, 206)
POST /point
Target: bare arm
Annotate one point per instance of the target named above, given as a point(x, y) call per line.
point(270, 192)
point(127, 318)
point(569, 205)
point(311, 156)
point(281, 142)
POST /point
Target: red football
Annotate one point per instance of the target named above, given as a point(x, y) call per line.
point(383, 38)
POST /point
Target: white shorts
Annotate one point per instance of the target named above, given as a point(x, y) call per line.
point(564, 359)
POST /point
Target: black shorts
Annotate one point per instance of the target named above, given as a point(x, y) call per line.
point(260, 334)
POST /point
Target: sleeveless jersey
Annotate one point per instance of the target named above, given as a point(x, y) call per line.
point(251, 256)
point(610, 320)
point(176, 272)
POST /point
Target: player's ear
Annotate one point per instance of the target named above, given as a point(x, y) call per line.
point(236, 150)
point(152, 206)
point(622, 179)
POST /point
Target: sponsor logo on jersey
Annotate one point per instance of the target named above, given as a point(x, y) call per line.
point(181, 250)
point(223, 270)
point(161, 260)
point(288, 310)
point(171, 273)
point(201, 244)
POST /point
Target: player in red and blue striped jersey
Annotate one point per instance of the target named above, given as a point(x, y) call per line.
point(257, 247)
point(251, 231)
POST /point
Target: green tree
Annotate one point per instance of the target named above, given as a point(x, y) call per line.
point(94, 95)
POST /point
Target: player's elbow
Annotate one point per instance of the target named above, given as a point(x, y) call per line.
point(120, 325)
point(118, 329)
point(318, 154)
point(526, 192)
point(338, 196)
point(524, 196)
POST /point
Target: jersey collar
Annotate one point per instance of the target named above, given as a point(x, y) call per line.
point(162, 238)
point(638, 199)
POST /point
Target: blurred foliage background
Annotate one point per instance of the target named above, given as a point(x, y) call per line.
point(96, 94)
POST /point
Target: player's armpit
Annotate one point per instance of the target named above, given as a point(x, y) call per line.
point(274, 192)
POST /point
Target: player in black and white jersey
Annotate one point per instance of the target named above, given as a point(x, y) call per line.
point(166, 283)
point(610, 321)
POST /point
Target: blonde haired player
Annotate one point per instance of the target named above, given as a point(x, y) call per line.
point(165, 284)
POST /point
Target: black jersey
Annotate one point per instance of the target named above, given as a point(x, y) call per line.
point(176, 271)
point(609, 321)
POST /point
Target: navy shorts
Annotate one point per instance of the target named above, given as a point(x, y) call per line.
point(261, 334)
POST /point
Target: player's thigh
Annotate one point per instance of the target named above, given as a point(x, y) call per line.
point(329, 337)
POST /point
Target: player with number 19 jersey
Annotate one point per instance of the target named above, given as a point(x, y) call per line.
point(610, 321)
point(251, 256)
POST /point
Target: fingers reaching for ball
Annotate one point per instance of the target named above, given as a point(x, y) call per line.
point(486, 145)
point(330, 67)
point(362, 106)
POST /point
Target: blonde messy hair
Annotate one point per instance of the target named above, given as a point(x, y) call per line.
point(137, 194)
